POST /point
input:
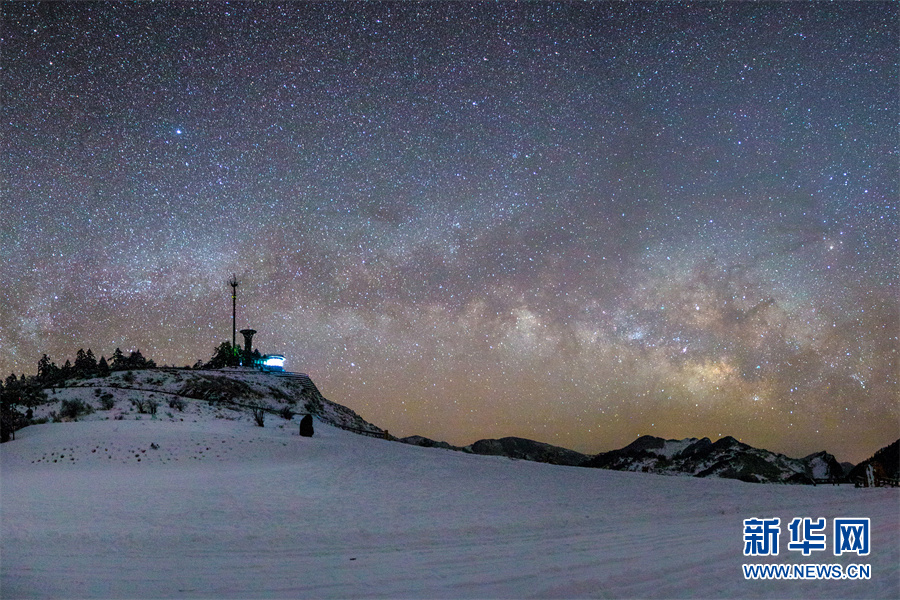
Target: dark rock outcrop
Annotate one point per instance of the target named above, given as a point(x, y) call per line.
point(418, 440)
point(306, 426)
point(521, 448)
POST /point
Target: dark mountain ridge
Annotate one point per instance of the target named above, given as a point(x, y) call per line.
point(885, 465)
point(696, 457)
point(524, 449)
point(726, 457)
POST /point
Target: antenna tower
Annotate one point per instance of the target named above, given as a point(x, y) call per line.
point(233, 282)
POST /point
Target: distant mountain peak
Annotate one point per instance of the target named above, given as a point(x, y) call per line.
point(726, 457)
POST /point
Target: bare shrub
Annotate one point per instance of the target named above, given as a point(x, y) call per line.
point(259, 415)
point(107, 402)
point(71, 409)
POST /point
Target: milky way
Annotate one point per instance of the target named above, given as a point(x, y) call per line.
point(576, 223)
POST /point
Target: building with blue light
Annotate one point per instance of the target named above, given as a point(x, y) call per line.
point(270, 362)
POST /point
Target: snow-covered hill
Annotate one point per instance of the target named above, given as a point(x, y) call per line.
point(222, 394)
point(204, 503)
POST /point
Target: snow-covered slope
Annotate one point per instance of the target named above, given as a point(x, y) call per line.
point(213, 506)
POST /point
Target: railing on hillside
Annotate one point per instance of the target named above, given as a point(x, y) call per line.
point(376, 434)
point(303, 378)
point(879, 481)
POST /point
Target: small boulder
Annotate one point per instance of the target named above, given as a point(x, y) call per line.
point(306, 426)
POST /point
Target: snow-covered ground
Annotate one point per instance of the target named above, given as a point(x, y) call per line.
point(210, 507)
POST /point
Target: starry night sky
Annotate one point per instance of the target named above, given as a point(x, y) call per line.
point(575, 223)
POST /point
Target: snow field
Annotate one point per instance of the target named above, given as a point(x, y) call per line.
point(266, 513)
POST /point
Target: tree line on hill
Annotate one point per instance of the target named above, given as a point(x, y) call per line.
point(86, 365)
point(28, 392)
point(226, 355)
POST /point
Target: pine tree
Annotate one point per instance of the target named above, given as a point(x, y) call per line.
point(85, 363)
point(119, 362)
point(223, 356)
point(48, 372)
point(44, 367)
point(80, 358)
point(102, 367)
point(10, 420)
point(136, 360)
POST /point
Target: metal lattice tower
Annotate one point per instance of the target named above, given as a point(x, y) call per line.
point(233, 282)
